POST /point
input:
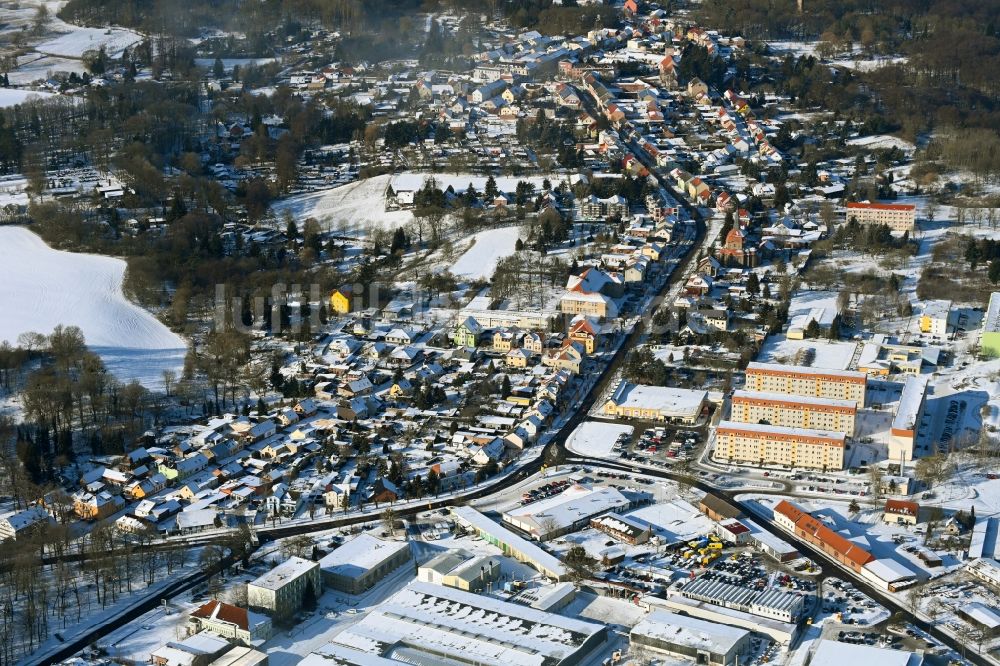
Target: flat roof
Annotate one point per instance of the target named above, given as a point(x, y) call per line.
point(780, 368)
point(424, 621)
point(835, 653)
point(672, 402)
point(910, 400)
point(984, 538)
point(786, 399)
point(983, 614)
point(826, 437)
point(678, 629)
point(991, 321)
point(578, 502)
point(545, 560)
point(285, 572)
point(362, 553)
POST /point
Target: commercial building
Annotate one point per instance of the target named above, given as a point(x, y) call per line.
point(684, 636)
point(425, 623)
point(935, 318)
point(754, 443)
point(655, 403)
point(989, 341)
point(834, 653)
point(509, 543)
point(795, 520)
point(986, 570)
point(795, 411)
point(982, 616)
point(775, 604)
point(898, 217)
point(282, 590)
point(718, 509)
point(362, 562)
point(461, 569)
point(622, 528)
point(566, 512)
point(806, 381)
point(231, 622)
point(780, 632)
point(906, 421)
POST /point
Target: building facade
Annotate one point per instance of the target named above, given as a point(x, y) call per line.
point(898, 217)
point(752, 443)
point(795, 411)
point(806, 381)
point(282, 590)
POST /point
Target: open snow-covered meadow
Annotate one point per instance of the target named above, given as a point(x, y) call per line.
point(597, 438)
point(489, 247)
point(353, 209)
point(41, 288)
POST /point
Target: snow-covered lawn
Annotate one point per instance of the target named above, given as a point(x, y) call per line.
point(489, 247)
point(79, 40)
point(352, 209)
point(14, 96)
point(41, 288)
point(596, 438)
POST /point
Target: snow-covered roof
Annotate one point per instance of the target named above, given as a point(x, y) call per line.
point(284, 573)
point(835, 653)
point(578, 502)
point(669, 401)
point(692, 632)
point(910, 401)
point(360, 554)
point(535, 554)
point(889, 571)
point(428, 619)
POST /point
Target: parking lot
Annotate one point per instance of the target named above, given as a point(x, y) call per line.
point(660, 446)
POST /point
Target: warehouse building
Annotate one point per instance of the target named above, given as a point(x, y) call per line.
point(757, 444)
point(699, 640)
point(986, 570)
point(795, 411)
point(774, 604)
point(806, 381)
point(834, 653)
point(362, 562)
point(282, 590)
point(780, 632)
point(509, 543)
point(430, 624)
point(623, 528)
point(898, 217)
point(461, 569)
point(656, 403)
point(567, 512)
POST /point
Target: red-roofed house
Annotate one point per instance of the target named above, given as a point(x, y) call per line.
point(231, 621)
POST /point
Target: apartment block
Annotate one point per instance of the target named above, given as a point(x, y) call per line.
point(806, 381)
point(755, 443)
point(898, 217)
point(795, 411)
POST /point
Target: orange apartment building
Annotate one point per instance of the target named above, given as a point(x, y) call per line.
point(795, 411)
point(806, 381)
point(756, 443)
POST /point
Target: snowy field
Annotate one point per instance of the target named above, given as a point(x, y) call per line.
point(596, 438)
point(13, 96)
point(460, 182)
point(41, 288)
point(78, 40)
point(489, 247)
point(353, 209)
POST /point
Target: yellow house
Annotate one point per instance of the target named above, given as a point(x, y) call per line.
point(340, 300)
point(581, 331)
point(517, 358)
